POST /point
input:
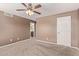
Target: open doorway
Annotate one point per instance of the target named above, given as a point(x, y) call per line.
point(32, 29)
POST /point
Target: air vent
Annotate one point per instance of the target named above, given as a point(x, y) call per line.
point(8, 14)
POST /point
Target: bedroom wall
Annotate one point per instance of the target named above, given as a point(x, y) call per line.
point(13, 29)
point(78, 28)
point(47, 27)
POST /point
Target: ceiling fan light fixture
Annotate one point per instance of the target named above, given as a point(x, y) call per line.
point(29, 12)
point(30, 9)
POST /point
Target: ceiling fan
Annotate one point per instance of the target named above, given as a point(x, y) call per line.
point(30, 9)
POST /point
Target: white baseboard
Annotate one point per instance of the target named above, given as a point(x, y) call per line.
point(56, 44)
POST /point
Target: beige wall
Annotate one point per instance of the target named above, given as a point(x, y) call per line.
point(77, 28)
point(47, 27)
point(13, 28)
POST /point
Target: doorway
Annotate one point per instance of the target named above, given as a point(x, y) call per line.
point(64, 31)
point(32, 29)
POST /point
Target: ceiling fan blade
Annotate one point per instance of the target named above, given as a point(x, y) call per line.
point(37, 6)
point(37, 12)
point(24, 4)
point(20, 9)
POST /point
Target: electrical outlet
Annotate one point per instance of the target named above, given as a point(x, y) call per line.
point(47, 38)
point(11, 40)
point(18, 38)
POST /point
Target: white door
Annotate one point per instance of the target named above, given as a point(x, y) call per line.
point(64, 31)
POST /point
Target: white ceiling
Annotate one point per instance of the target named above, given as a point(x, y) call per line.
point(46, 9)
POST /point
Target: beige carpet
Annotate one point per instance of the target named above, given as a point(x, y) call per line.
point(33, 47)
